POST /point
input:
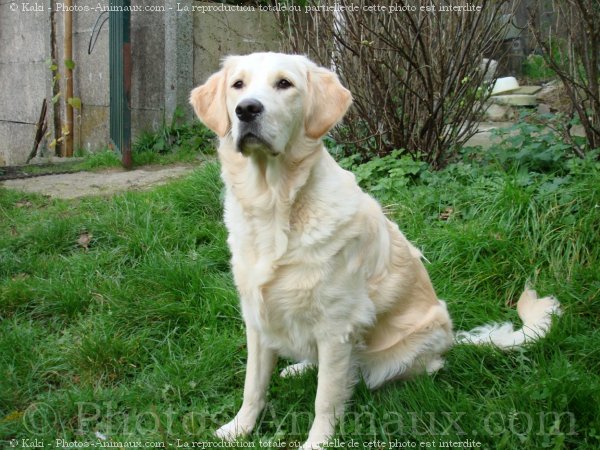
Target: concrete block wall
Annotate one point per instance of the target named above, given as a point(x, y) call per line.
point(24, 48)
point(90, 78)
point(218, 34)
point(92, 75)
point(173, 49)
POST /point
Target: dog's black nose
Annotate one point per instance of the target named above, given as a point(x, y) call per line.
point(249, 109)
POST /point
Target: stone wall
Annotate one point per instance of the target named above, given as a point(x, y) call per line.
point(24, 47)
point(218, 34)
point(175, 45)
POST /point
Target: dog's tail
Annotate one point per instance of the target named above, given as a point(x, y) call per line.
point(536, 314)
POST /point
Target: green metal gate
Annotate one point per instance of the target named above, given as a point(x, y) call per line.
point(119, 19)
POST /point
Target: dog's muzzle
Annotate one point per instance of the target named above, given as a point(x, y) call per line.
point(249, 111)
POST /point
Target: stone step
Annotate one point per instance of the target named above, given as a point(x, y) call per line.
point(515, 99)
point(527, 90)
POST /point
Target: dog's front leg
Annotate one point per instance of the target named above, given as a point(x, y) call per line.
point(335, 381)
point(261, 361)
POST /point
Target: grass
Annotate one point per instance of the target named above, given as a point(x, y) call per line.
point(175, 143)
point(535, 69)
point(119, 316)
point(107, 159)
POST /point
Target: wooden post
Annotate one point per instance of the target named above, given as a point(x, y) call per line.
point(69, 76)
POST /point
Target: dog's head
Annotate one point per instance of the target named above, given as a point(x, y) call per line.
point(265, 101)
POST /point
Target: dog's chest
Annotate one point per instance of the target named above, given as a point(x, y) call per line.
point(283, 272)
point(290, 255)
point(279, 301)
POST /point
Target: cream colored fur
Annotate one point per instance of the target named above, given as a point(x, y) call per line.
point(323, 276)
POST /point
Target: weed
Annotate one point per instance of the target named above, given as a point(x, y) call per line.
point(387, 173)
point(177, 143)
point(175, 137)
point(535, 144)
point(99, 160)
point(536, 69)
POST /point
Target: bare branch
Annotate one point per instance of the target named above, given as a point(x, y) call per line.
point(572, 51)
point(416, 76)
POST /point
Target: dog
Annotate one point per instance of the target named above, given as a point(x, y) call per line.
point(324, 278)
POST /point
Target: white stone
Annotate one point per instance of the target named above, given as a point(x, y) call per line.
point(515, 100)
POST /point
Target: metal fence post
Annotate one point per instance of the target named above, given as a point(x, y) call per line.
point(120, 78)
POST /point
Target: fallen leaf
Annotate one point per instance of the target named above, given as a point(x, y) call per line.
point(20, 276)
point(446, 213)
point(14, 416)
point(84, 240)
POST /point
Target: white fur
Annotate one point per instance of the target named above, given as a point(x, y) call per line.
point(536, 315)
point(323, 276)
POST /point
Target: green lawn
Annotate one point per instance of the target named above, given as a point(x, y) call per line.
point(119, 317)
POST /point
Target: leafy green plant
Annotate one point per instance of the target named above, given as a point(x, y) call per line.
point(102, 159)
point(536, 143)
point(387, 173)
point(175, 137)
point(179, 143)
point(536, 69)
point(74, 102)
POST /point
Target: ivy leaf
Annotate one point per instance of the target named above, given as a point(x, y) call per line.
point(55, 98)
point(75, 102)
point(53, 67)
point(69, 64)
point(55, 78)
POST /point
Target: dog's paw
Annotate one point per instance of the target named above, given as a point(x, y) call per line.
point(311, 446)
point(232, 431)
point(296, 369)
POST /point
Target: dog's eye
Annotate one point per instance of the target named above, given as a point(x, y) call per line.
point(283, 84)
point(238, 84)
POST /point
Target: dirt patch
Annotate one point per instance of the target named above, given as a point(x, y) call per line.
point(106, 182)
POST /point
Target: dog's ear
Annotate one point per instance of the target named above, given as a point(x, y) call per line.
point(327, 102)
point(209, 104)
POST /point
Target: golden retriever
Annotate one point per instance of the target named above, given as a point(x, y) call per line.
point(323, 276)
